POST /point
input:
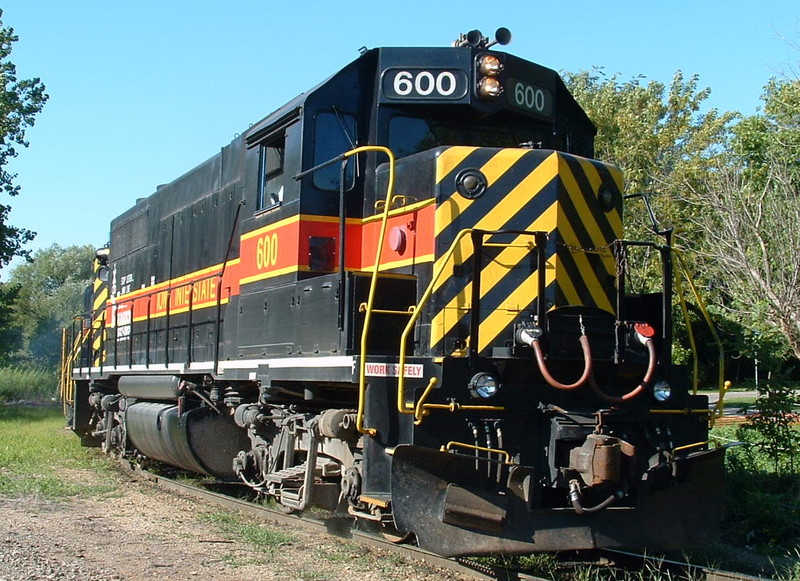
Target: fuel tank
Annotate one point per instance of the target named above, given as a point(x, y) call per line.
point(199, 440)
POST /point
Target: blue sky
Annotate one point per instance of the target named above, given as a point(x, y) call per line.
point(141, 92)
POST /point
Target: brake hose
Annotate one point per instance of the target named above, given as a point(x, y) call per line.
point(648, 377)
point(587, 362)
point(575, 498)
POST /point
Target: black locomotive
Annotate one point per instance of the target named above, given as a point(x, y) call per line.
point(401, 296)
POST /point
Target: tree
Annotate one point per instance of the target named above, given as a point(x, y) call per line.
point(50, 293)
point(655, 134)
point(10, 331)
point(20, 102)
point(751, 217)
point(663, 143)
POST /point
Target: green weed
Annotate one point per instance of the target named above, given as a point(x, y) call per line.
point(260, 535)
point(28, 383)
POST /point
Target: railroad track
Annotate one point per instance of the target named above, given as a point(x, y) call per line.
point(342, 527)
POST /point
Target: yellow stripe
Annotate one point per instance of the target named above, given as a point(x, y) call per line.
point(173, 282)
point(451, 208)
point(100, 300)
point(400, 263)
point(507, 206)
point(584, 267)
point(451, 159)
point(180, 310)
point(565, 283)
point(444, 321)
point(271, 227)
point(593, 175)
point(271, 274)
point(396, 212)
point(500, 319)
point(579, 202)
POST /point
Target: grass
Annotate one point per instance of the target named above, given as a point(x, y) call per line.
point(761, 531)
point(38, 457)
point(263, 537)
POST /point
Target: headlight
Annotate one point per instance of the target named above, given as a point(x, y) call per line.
point(662, 391)
point(489, 88)
point(489, 65)
point(483, 385)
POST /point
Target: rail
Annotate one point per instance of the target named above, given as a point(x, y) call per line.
point(464, 567)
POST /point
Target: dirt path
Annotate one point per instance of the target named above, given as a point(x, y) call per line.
point(142, 533)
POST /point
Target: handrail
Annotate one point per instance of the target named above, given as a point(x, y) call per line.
point(67, 384)
point(702, 306)
point(362, 363)
point(450, 445)
point(418, 410)
point(401, 405)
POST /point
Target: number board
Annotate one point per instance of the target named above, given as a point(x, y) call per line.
point(529, 97)
point(425, 84)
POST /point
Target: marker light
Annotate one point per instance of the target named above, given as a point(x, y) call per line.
point(489, 65)
point(607, 198)
point(483, 385)
point(489, 88)
point(662, 391)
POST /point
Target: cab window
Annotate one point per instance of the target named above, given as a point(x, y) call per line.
point(334, 134)
point(270, 172)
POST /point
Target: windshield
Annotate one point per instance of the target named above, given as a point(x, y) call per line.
point(409, 135)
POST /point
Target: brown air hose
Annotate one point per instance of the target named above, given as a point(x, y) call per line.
point(648, 377)
point(587, 365)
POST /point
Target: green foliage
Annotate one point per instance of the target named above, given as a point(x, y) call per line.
point(10, 328)
point(50, 293)
point(774, 135)
point(772, 430)
point(654, 133)
point(750, 220)
point(20, 102)
point(36, 453)
point(762, 480)
point(28, 383)
point(763, 508)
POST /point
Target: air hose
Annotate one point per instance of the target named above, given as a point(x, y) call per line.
point(648, 377)
point(575, 498)
point(533, 341)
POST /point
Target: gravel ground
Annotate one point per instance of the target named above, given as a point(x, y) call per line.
point(141, 533)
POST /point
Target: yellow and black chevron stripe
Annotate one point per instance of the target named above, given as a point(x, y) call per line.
point(99, 300)
point(530, 190)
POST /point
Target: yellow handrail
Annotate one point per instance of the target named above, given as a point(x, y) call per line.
point(702, 306)
point(503, 453)
point(362, 364)
point(401, 404)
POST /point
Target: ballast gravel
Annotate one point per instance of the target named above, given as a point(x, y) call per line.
point(140, 532)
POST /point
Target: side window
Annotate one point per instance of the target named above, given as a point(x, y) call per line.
point(334, 134)
point(270, 173)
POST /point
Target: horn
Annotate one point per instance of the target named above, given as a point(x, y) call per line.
point(501, 37)
point(474, 38)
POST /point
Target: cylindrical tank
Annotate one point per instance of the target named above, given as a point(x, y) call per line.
point(199, 440)
point(152, 387)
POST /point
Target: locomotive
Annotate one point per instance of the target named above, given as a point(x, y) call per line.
point(402, 297)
